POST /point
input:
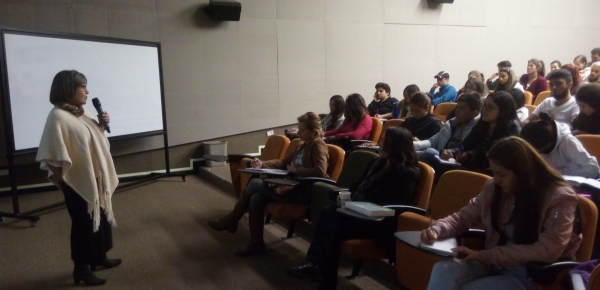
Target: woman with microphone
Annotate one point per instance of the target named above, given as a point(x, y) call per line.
point(76, 154)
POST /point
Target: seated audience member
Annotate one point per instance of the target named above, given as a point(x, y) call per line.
point(562, 151)
point(498, 120)
point(447, 141)
point(357, 123)
point(519, 98)
point(446, 93)
point(473, 75)
point(581, 63)
point(588, 120)
point(382, 106)
point(595, 54)
point(492, 82)
point(555, 65)
point(562, 107)
point(576, 78)
point(335, 118)
point(534, 81)
point(507, 81)
point(529, 214)
point(310, 159)
point(593, 74)
point(392, 179)
point(404, 105)
point(422, 124)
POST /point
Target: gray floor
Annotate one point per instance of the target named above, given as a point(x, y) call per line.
point(165, 243)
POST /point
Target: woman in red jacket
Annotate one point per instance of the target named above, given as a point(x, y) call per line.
point(358, 123)
point(534, 81)
point(528, 212)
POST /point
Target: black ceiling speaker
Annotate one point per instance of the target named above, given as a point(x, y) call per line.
point(441, 1)
point(223, 10)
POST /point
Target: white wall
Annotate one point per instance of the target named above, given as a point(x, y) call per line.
point(286, 57)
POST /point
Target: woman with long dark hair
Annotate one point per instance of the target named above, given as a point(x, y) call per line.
point(507, 80)
point(357, 123)
point(392, 179)
point(335, 118)
point(529, 213)
point(498, 120)
point(588, 120)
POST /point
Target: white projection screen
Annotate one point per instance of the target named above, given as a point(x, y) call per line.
point(124, 75)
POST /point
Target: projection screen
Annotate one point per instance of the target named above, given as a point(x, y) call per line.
point(124, 75)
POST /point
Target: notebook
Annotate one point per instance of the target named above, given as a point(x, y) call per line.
point(265, 171)
point(440, 247)
point(369, 209)
point(578, 181)
point(451, 161)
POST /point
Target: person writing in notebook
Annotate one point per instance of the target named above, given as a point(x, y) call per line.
point(529, 213)
point(392, 179)
point(310, 159)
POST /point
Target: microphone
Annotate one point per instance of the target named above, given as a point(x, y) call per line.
point(98, 107)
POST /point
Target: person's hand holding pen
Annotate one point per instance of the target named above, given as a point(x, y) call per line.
point(429, 235)
point(446, 154)
point(256, 163)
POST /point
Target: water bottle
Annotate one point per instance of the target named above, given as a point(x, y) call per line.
point(396, 112)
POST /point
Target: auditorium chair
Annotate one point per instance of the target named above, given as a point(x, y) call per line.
point(530, 108)
point(365, 249)
point(375, 129)
point(442, 110)
point(591, 143)
point(528, 97)
point(389, 123)
point(275, 148)
point(295, 212)
point(453, 191)
point(540, 97)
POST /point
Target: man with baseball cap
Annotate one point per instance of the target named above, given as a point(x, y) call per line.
point(446, 93)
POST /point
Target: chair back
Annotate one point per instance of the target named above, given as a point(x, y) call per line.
point(424, 186)
point(454, 190)
point(540, 97)
point(528, 97)
point(442, 110)
point(589, 215)
point(389, 123)
point(336, 161)
point(354, 166)
point(530, 108)
point(591, 143)
point(375, 129)
point(275, 147)
point(292, 146)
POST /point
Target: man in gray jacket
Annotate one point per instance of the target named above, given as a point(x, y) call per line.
point(447, 141)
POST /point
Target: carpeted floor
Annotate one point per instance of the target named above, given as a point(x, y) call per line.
point(165, 243)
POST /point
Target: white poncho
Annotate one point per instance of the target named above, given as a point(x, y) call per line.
point(78, 146)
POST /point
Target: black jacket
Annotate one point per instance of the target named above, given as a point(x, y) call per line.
point(423, 128)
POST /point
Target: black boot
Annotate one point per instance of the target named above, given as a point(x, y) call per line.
point(256, 224)
point(230, 222)
point(305, 270)
point(84, 273)
point(106, 264)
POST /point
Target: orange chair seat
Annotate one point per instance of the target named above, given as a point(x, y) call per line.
point(289, 211)
point(363, 249)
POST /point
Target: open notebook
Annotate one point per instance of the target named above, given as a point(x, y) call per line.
point(440, 247)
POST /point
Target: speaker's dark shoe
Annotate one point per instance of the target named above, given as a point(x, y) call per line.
point(253, 248)
point(305, 270)
point(224, 224)
point(106, 264)
point(84, 273)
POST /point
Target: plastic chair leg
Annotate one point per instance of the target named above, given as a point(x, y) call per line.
point(355, 269)
point(291, 229)
point(268, 219)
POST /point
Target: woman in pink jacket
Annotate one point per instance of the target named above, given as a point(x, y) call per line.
point(357, 123)
point(528, 212)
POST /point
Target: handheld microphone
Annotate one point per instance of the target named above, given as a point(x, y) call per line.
point(98, 107)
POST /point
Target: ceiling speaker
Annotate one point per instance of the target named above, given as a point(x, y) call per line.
point(441, 1)
point(223, 10)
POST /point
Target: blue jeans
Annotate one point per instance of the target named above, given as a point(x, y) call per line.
point(428, 156)
point(449, 274)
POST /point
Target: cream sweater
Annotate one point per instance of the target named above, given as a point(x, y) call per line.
point(79, 146)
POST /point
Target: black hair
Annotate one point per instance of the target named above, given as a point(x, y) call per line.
point(339, 104)
point(504, 63)
point(542, 135)
point(473, 100)
point(518, 97)
point(590, 94)
point(420, 99)
point(411, 90)
point(596, 51)
point(556, 61)
point(65, 85)
point(385, 87)
point(355, 110)
point(398, 145)
point(561, 74)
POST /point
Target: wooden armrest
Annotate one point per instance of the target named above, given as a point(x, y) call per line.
point(237, 157)
point(545, 274)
